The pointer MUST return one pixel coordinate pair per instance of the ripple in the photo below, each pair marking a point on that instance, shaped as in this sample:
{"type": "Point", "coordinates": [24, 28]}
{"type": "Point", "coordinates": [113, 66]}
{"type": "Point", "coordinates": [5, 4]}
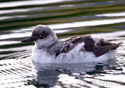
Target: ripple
{"type": "Point", "coordinates": [22, 3]}
{"type": "Point", "coordinates": [112, 14]}
{"type": "Point", "coordinates": [8, 42]}
{"type": "Point", "coordinates": [87, 23]}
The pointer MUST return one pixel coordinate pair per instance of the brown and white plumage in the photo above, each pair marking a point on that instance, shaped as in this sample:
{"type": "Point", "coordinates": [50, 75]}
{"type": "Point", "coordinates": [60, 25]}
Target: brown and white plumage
{"type": "Point", "coordinates": [82, 49]}
{"type": "Point", "coordinates": [98, 48]}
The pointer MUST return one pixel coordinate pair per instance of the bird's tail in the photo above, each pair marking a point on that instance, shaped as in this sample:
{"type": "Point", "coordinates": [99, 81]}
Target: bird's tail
{"type": "Point", "coordinates": [115, 46]}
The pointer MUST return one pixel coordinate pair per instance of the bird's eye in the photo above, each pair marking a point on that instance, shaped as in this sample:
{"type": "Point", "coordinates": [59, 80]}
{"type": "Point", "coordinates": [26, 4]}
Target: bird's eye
{"type": "Point", "coordinates": [43, 35]}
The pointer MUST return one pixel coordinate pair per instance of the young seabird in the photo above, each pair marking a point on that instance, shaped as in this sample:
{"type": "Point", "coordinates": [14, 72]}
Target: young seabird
{"type": "Point", "coordinates": [82, 49]}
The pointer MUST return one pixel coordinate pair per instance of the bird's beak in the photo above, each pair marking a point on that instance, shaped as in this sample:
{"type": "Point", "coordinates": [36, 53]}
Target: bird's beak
{"type": "Point", "coordinates": [29, 39]}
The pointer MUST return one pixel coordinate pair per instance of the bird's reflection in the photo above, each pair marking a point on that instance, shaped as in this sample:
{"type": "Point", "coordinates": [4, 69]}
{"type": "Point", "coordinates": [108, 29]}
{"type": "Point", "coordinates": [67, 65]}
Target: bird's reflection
{"type": "Point", "coordinates": [48, 74]}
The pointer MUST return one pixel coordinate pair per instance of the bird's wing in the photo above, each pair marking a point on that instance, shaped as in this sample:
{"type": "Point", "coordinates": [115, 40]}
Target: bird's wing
{"type": "Point", "coordinates": [104, 47]}
{"type": "Point", "coordinates": [98, 49]}
{"type": "Point", "coordinates": [72, 42]}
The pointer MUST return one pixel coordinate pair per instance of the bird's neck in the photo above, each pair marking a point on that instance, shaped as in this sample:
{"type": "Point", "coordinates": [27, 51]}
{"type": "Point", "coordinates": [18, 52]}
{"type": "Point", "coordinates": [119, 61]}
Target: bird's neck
{"type": "Point", "coordinates": [45, 47]}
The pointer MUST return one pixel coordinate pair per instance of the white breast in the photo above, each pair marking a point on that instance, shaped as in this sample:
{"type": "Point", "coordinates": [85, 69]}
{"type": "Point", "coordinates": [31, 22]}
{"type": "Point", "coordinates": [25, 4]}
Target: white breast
{"type": "Point", "coordinates": [41, 56]}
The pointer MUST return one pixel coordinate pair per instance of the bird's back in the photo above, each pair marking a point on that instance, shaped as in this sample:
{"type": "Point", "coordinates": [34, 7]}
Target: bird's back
{"type": "Point", "coordinates": [98, 46]}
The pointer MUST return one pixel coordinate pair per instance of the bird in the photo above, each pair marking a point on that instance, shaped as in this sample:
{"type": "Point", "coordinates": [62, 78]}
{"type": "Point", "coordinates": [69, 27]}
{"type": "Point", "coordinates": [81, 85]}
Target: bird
{"type": "Point", "coordinates": [76, 49]}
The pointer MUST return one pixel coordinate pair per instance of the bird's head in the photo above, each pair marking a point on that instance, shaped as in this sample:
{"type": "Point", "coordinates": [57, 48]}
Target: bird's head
{"type": "Point", "coordinates": [42, 35]}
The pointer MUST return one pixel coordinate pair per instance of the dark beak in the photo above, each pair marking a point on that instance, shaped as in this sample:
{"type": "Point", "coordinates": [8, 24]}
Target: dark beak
{"type": "Point", "coordinates": [29, 39]}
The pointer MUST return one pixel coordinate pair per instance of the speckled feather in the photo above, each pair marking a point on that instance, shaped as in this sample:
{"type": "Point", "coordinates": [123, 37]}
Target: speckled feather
{"type": "Point", "coordinates": [98, 49]}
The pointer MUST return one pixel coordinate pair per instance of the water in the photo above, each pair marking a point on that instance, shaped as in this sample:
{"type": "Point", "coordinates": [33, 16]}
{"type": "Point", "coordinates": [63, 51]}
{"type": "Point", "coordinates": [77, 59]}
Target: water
{"type": "Point", "coordinates": [67, 18]}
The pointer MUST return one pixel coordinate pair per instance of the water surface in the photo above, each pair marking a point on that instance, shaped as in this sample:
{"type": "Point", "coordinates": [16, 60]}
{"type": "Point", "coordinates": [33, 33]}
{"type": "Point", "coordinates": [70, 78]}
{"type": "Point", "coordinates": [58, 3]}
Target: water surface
{"type": "Point", "coordinates": [105, 18]}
